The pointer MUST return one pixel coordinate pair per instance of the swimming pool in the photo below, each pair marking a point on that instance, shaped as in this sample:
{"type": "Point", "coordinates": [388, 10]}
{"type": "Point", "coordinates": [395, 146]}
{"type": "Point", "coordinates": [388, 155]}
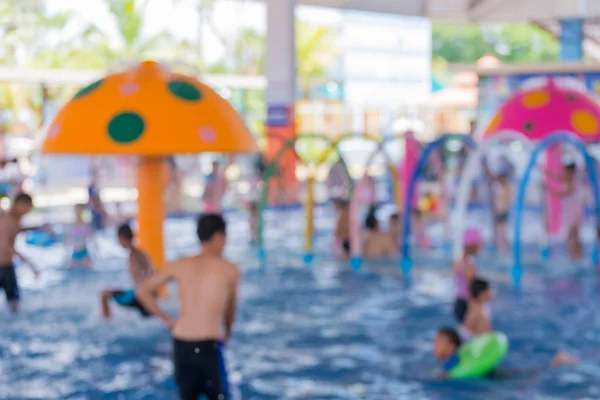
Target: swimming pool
{"type": "Point", "coordinates": [302, 333]}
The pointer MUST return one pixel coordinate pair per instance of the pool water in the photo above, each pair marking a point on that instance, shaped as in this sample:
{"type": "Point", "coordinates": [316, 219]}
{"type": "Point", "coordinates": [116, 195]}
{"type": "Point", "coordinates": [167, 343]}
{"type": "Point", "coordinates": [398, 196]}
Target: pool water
{"type": "Point", "coordinates": [319, 332]}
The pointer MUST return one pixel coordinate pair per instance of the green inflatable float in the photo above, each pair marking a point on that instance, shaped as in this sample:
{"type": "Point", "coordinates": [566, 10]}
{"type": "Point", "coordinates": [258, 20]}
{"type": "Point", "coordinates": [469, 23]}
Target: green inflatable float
{"type": "Point", "coordinates": [480, 356]}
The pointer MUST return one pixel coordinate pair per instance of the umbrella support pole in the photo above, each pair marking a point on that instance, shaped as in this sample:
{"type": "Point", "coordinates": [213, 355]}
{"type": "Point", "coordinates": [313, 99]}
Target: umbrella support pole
{"type": "Point", "coordinates": [151, 208]}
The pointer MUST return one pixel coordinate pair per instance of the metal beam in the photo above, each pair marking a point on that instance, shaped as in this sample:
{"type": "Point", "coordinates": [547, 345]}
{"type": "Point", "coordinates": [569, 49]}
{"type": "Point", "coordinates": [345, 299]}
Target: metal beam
{"type": "Point", "coordinates": [62, 77]}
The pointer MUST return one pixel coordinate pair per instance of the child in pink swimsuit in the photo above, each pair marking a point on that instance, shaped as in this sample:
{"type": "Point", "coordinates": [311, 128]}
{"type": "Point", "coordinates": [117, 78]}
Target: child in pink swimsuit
{"type": "Point", "coordinates": [465, 271]}
{"type": "Point", "coordinates": [573, 208]}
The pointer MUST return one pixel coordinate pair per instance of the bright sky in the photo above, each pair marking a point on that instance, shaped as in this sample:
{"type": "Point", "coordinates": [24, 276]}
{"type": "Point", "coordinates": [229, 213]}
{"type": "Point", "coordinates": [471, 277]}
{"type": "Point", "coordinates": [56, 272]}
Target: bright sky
{"type": "Point", "coordinates": [229, 16]}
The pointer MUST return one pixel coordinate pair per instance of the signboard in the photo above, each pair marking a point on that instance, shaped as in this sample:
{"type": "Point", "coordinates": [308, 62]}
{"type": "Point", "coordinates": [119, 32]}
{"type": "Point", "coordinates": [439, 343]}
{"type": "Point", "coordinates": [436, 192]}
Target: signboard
{"type": "Point", "coordinates": [278, 116]}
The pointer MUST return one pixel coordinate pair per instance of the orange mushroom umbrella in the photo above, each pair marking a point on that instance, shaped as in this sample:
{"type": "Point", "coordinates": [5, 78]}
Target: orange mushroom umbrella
{"type": "Point", "coordinates": [151, 112]}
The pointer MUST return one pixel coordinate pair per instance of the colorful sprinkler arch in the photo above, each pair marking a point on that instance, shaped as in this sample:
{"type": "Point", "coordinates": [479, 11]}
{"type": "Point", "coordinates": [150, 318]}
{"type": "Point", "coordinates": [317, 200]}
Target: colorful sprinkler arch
{"type": "Point", "coordinates": [471, 170]}
{"type": "Point", "coordinates": [268, 175]}
{"type": "Point", "coordinates": [558, 137]}
{"type": "Point", "coordinates": [309, 202]}
{"type": "Point", "coordinates": [355, 226]}
{"type": "Point", "coordinates": [406, 261]}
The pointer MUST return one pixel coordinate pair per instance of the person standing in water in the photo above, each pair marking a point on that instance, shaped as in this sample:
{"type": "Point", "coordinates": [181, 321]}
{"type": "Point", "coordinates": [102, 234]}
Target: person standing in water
{"type": "Point", "coordinates": [99, 215]}
{"type": "Point", "coordinates": [213, 190]}
{"type": "Point", "coordinates": [140, 269]}
{"type": "Point", "coordinates": [377, 244]}
{"type": "Point", "coordinates": [79, 238]}
{"type": "Point", "coordinates": [503, 196]}
{"type": "Point", "coordinates": [208, 287]}
{"type": "Point", "coordinates": [573, 200]}
{"type": "Point", "coordinates": [478, 319]}
{"type": "Point", "coordinates": [465, 272]}
{"type": "Point", "coordinates": [10, 227]}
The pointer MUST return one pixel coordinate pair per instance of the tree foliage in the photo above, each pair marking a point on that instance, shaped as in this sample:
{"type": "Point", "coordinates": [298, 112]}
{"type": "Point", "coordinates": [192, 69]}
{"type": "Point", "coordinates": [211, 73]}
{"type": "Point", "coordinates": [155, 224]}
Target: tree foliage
{"type": "Point", "coordinates": [509, 42]}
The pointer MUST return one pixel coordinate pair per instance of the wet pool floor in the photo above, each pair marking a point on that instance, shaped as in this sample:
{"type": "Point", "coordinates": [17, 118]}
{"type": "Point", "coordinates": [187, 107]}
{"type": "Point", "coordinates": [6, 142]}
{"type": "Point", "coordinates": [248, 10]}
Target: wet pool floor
{"type": "Point", "coordinates": [322, 332]}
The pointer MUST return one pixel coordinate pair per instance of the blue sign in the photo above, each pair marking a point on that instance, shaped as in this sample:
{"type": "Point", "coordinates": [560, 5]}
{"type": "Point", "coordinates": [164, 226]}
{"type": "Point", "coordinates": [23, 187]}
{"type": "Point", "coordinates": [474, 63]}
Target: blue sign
{"type": "Point", "coordinates": [278, 116]}
{"type": "Point", "coordinates": [571, 40]}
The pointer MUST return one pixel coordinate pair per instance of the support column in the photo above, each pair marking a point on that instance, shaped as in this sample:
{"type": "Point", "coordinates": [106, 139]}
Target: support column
{"type": "Point", "coordinates": [151, 208]}
{"type": "Point", "coordinates": [571, 50]}
{"type": "Point", "coordinates": [281, 76]}
{"type": "Point", "coordinates": [407, 169]}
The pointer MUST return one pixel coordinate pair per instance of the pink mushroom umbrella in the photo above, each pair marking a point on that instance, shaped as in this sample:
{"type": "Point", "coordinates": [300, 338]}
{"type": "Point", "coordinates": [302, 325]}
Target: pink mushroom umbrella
{"type": "Point", "coordinates": [537, 112]}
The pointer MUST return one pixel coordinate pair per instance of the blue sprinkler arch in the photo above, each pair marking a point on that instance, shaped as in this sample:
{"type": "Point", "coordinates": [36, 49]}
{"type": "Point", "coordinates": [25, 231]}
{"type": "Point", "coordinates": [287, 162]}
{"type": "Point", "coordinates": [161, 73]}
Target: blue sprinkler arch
{"type": "Point", "coordinates": [406, 261]}
{"type": "Point", "coordinates": [517, 270]}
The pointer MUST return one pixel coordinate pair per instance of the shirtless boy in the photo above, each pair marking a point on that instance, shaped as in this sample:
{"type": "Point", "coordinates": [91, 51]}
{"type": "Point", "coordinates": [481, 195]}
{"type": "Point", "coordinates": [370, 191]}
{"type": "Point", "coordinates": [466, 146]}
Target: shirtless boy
{"type": "Point", "coordinates": [140, 269]}
{"type": "Point", "coordinates": [208, 286]}
{"type": "Point", "coordinates": [395, 228]}
{"type": "Point", "coordinates": [10, 227]}
{"type": "Point", "coordinates": [377, 244]}
{"type": "Point", "coordinates": [478, 319]}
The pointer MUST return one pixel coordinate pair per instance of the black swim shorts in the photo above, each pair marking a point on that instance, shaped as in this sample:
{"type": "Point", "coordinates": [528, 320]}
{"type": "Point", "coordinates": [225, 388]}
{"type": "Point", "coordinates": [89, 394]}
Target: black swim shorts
{"type": "Point", "coordinates": [502, 218]}
{"type": "Point", "coordinates": [460, 309]}
{"type": "Point", "coordinates": [8, 282]}
{"type": "Point", "coordinates": [200, 370]}
{"type": "Point", "coordinates": [346, 247]}
{"type": "Point", "coordinates": [127, 299]}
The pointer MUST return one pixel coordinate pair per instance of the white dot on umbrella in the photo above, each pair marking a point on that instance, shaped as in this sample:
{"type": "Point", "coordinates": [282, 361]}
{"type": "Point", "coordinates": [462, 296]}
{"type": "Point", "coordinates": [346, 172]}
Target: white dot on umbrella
{"type": "Point", "coordinates": [208, 134]}
{"type": "Point", "coordinates": [128, 89]}
{"type": "Point", "coordinates": [53, 131]}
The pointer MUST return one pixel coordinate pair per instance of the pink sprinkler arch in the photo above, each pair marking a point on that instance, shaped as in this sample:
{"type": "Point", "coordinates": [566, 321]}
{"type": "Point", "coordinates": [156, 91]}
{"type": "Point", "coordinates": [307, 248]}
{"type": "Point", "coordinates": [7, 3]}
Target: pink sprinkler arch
{"type": "Point", "coordinates": [553, 106]}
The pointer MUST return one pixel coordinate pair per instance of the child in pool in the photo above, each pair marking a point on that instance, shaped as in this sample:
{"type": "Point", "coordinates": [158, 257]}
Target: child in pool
{"type": "Point", "coordinates": [447, 342]}
{"type": "Point", "coordinates": [395, 228]}
{"type": "Point", "coordinates": [96, 206]}
{"type": "Point", "coordinates": [212, 190]}
{"type": "Point", "coordinates": [465, 272]}
{"type": "Point", "coordinates": [377, 244]}
{"type": "Point", "coordinates": [79, 238]}
{"type": "Point", "coordinates": [342, 227]}
{"type": "Point", "coordinates": [418, 223]}
{"type": "Point", "coordinates": [478, 320]}
{"type": "Point", "coordinates": [253, 221]}
{"type": "Point", "coordinates": [10, 227]}
{"type": "Point", "coordinates": [502, 200]}
{"type": "Point", "coordinates": [140, 269]}
{"type": "Point", "coordinates": [573, 208]}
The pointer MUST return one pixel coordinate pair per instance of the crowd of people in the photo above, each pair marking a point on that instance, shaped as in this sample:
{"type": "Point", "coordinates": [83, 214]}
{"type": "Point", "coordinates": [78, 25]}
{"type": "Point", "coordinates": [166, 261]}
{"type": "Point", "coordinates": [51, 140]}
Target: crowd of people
{"type": "Point", "coordinates": [208, 283]}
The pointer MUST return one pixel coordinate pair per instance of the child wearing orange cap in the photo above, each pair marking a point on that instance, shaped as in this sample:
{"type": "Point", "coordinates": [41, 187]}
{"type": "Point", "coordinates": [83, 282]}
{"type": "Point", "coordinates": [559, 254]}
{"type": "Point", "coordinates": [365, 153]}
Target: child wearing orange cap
{"type": "Point", "coordinates": [465, 272]}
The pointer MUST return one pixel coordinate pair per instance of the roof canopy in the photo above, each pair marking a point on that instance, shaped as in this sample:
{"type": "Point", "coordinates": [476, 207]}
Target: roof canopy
{"type": "Point", "coordinates": [546, 107]}
{"type": "Point", "coordinates": [472, 10]}
{"type": "Point", "coordinates": [147, 110]}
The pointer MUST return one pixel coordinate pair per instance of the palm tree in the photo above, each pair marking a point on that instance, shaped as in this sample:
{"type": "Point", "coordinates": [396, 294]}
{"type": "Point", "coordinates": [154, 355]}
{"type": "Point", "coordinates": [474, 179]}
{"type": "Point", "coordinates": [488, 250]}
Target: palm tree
{"type": "Point", "coordinates": [24, 25]}
{"type": "Point", "coordinates": [248, 52]}
{"type": "Point", "coordinates": [315, 53]}
{"type": "Point", "coordinates": [132, 45]}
